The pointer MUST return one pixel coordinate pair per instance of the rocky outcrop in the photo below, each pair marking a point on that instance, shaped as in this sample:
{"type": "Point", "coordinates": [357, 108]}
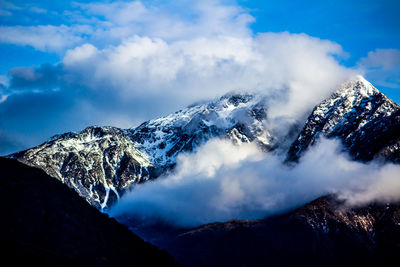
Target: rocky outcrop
{"type": "Point", "coordinates": [101, 163]}
{"type": "Point", "coordinates": [364, 119]}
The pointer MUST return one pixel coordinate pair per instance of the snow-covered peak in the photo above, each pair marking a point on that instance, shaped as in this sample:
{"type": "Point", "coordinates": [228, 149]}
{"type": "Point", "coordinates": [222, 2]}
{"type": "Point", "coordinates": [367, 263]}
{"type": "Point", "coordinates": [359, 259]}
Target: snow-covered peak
{"type": "Point", "coordinates": [357, 86]}
{"type": "Point", "coordinates": [223, 112]}
{"type": "Point", "coordinates": [101, 163]}
{"type": "Point", "coordinates": [358, 114]}
{"type": "Point", "coordinates": [163, 138]}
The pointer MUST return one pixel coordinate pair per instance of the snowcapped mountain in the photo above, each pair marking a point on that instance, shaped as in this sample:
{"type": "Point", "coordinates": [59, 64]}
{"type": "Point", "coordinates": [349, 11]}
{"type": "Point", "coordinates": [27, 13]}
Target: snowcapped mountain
{"type": "Point", "coordinates": [101, 163]}
{"type": "Point", "coordinates": [236, 116]}
{"type": "Point", "coordinates": [367, 122]}
{"type": "Point", "coordinates": [98, 162]}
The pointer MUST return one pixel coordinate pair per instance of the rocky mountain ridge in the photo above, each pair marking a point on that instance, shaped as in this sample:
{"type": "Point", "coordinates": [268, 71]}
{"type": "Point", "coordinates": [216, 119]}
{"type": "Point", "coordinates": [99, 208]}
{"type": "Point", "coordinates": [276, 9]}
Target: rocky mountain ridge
{"type": "Point", "coordinates": [364, 119]}
{"type": "Point", "coordinates": [101, 163]}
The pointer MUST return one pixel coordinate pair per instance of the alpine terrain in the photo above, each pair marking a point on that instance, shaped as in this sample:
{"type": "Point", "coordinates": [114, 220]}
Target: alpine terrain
{"type": "Point", "coordinates": [101, 163]}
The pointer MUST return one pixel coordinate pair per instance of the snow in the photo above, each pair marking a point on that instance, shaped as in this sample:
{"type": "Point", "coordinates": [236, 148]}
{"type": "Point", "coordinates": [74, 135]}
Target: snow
{"type": "Point", "coordinates": [104, 204]}
{"type": "Point", "coordinates": [99, 150]}
{"type": "Point", "coordinates": [221, 114]}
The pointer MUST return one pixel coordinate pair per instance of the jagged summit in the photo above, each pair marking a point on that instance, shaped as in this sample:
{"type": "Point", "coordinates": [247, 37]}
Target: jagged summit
{"type": "Point", "coordinates": [240, 116]}
{"type": "Point", "coordinates": [357, 86]}
{"type": "Point", "coordinates": [367, 122]}
{"type": "Point", "coordinates": [101, 163]}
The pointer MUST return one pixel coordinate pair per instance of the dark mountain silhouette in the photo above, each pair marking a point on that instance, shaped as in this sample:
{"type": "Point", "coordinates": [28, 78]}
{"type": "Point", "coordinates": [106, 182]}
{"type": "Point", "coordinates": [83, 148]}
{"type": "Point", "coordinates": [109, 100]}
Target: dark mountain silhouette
{"type": "Point", "coordinates": [324, 232]}
{"type": "Point", "coordinates": [44, 222]}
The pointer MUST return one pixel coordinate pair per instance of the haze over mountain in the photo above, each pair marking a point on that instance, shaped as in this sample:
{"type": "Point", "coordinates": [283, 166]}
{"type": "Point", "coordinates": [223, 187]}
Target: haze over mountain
{"type": "Point", "coordinates": [229, 133]}
{"type": "Point", "coordinates": [202, 152]}
{"type": "Point", "coordinates": [121, 63]}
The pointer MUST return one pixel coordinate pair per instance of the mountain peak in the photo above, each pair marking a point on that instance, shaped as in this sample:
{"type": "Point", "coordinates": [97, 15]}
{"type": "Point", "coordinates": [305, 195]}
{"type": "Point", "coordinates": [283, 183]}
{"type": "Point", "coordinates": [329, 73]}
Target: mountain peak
{"type": "Point", "coordinates": [101, 163]}
{"type": "Point", "coordinates": [363, 118]}
{"type": "Point", "coordinates": [357, 86]}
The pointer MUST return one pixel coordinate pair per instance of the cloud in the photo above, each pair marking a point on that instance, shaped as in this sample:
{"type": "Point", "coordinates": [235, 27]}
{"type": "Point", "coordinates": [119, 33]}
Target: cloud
{"type": "Point", "coordinates": [383, 66]}
{"type": "Point", "coordinates": [42, 37]}
{"type": "Point", "coordinates": [131, 68]}
{"type": "Point", "coordinates": [43, 78]}
{"type": "Point", "coordinates": [222, 181]}
{"type": "Point", "coordinates": [300, 69]}
{"type": "Point", "coordinates": [37, 10]}
{"type": "Point", "coordinates": [7, 7]}
{"type": "Point", "coordinates": [176, 21]}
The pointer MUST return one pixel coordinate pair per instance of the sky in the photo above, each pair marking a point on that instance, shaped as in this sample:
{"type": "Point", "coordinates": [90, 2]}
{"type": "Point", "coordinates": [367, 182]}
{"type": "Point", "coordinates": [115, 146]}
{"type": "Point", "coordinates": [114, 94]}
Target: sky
{"type": "Point", "coordinates": [66, 65]}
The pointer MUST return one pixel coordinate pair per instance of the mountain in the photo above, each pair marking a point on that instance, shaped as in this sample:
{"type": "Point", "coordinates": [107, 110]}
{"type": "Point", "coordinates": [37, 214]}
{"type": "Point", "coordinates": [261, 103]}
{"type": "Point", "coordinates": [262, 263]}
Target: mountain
{"type": "Point", "coordinates": [364, 119]}
{"type": "Point", "coordinates": [98, 162]}
{"type": "Point", "coordinates": [44, 222]}
{"type": "Point", "coordinates": [101, 163]}
{"type": "Point", "coordinates": [324, 232]}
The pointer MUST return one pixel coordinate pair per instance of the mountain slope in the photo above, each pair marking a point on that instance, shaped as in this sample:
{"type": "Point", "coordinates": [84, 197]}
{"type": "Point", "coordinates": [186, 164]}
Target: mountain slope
{"type": "Point", "coordinates": [100, 163]}
{"type": "Point", "coordinates": [322, 233]}
{"type": "Point", "coordinates": [45, 222]}
{"type": "Point", "coordinates": [367, 122]}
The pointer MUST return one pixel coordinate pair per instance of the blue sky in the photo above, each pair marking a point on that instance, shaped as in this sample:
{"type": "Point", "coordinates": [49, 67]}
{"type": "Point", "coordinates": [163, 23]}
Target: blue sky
{"type": "Point", "coordinates": [359, 26]}
{"type": "Point", "coordinates": [69, 64]}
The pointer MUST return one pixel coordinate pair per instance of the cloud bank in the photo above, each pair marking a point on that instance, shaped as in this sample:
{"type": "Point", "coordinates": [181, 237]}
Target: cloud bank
{"type": "Point", "coordinates": [127, 62]}
{"type": "Point", "coordinates": [223, 181]}
{"type": "Point", "coordinates": [124, 62]}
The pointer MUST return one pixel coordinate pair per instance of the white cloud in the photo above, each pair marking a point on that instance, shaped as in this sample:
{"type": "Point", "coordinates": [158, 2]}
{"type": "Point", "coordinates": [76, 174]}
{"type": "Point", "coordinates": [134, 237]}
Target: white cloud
{"type": "Point", "coordinates": [42, 37]}
{"type": "Point", "coordinates": [175, 21]}
{"type": "Point", "coordinates": [156, 59]}
{"type": "Point", "coordinates": [222, 181]}
{"type": "Point", "coordinates": [300, 69]}
{"type": "Point", "coordinates": [80, 54]}
{"type": "Point", "coordinates": [382, 58]}
{"type": "Point", "coordinates": [37, 10]}
{"type": "Point", "coordinates": [383, 66]}
{"type": "Point", "coordinates": [150, 52]}
{"type": "Point", "coordinates": [4, 81]}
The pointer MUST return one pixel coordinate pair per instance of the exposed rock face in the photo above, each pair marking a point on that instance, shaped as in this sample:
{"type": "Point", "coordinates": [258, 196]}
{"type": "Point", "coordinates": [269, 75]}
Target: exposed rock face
{"type": "Point", "coordinates": [100, 163]}
{"type": "Point", "coordinates": [367, 122]}
{"type": "Point", "coordinates": [45, 223]}
{"type": "Point", "coordinates": [324, 232]}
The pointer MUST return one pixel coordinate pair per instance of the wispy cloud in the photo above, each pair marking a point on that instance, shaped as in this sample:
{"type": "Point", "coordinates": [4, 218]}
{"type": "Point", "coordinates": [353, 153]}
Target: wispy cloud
{"type": "Point", "coordinates": [42, 37]}
{"type": "Point", "coordinates": [223, 181]}
{"type": "Point", "coordinates": [139, 60]}
{"type": "Point", "coordinates": [382, 65]}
